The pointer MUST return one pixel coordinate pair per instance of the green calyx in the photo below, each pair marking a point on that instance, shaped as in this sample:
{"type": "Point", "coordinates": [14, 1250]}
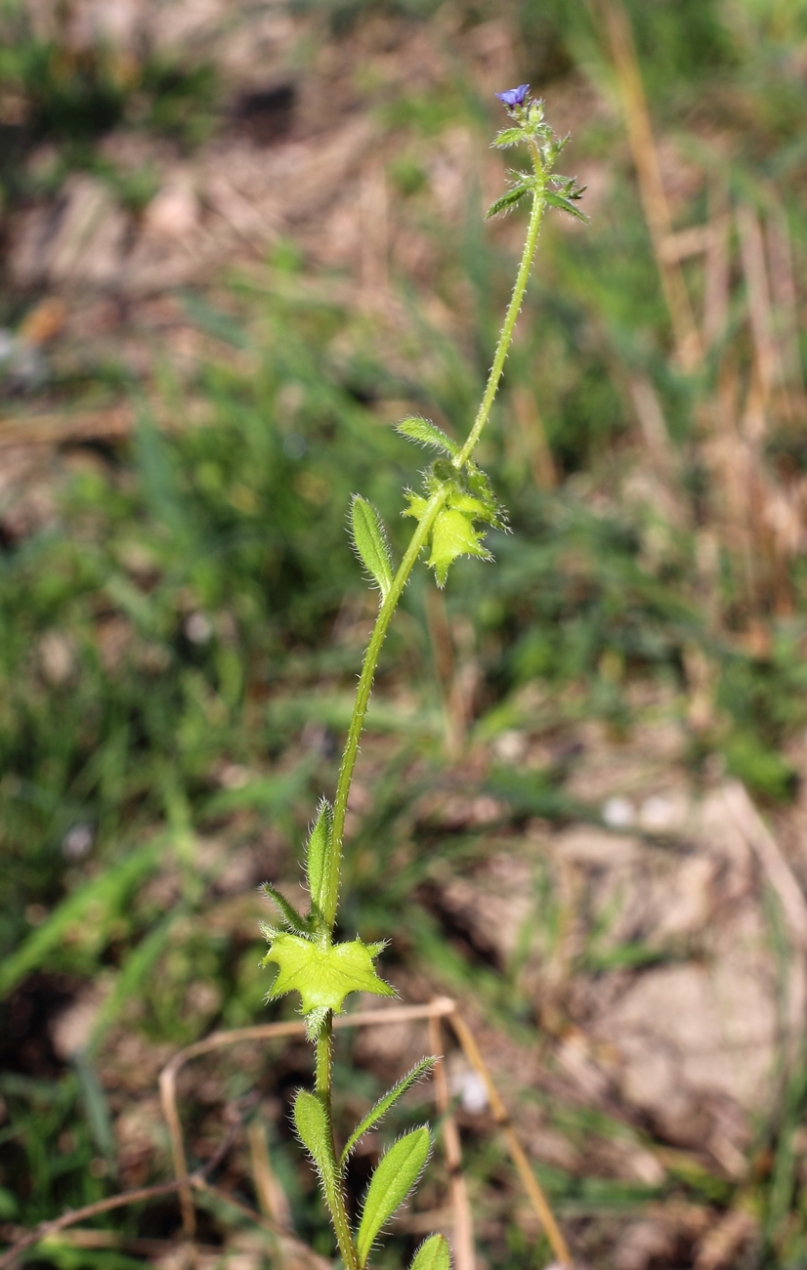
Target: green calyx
{"type": "Point", "coordinates": [469, 498]}
{"type": "Point", "coordinates": [322, 974]}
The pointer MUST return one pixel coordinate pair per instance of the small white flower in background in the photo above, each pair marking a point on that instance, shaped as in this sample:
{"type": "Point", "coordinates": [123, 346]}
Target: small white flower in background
{"type": "Point", "coordinates": [618, 813]}
{"type": "Point", "coordinates": [467, 1085]}
{"type": "Point", "coordinates": [77, 842]}
{"type": "Point", "coordinates": [198, 628]}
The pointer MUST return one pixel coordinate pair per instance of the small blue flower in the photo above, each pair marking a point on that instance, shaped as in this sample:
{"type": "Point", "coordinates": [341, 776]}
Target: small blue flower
{"type": "Point", "coordinates": [514, 96]}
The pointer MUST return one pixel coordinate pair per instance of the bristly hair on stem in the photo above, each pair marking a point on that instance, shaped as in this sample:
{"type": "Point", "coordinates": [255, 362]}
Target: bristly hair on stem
{"type": "Point", "coordinates": [453, 513]}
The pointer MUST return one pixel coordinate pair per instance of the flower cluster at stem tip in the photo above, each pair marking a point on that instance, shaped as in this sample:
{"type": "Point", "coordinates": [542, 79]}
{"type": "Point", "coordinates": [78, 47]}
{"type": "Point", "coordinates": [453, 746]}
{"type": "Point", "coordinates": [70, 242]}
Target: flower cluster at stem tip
{"type": "Point", "coordinates": [514, 96]}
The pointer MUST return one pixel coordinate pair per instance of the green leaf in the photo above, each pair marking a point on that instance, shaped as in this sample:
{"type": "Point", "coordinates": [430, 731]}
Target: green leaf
{"type": "Point", "coordinates": [424, 432]}
{"type": "Point", "coordinates": [469, 505]}
{"type": "Point", "coordinates": [380, 1109]}
{"type": "Point", "coordinates": [565, 205]}
{"type": "Point", "coordinates": [506, 201]}
{"type": "Point", "coordinates": [432, 1255]}
{"type": "Point", "coordinates": [508, 137]}
{"type": "Point", "coordinates": [453, 535]}
{"type": "Point", "coordinates": [417, 505]}
{"type": "Point", "coordinates": [311, 1123]}
{"type": "Point", "coordinates": [324, 976]}
{"type": "Point", "coordinates": [318, 856]}
{"type": "Point", "coordinates": [293, 919]}
{"type": "Point", "coordinates": [482, 489]}
{"type": "Point", "coordinates": [397, 1173]}
{"type": "Point", "coordinates": [371, 543]}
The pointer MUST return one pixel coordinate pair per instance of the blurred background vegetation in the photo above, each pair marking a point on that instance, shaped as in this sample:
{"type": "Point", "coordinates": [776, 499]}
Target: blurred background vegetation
{"type": "Point", "coordinates": [239, 243]}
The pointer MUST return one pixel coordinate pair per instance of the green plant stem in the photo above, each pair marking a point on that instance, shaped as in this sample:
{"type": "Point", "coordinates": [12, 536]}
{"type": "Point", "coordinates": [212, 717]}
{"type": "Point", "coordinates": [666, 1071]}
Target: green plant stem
{"type": "Point", "coordinates": [363, 691]}
{"type": "Point", "coordinates": [341, 1225]}
{"type": "Point", "coordinates": [511, 317]}
{"type": "Point", "coordinates": [322, 1087]}
{"type": "Point", "coordinates": [332, 1180]}
{"type": "Point", "coordinates": [418, 540]}
{"type": "Point", "coordinates": [334, 1194]}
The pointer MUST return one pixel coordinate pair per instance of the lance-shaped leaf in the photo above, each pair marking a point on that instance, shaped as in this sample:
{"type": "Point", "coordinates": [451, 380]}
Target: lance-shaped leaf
{"type": "Point", "coordinates": [565, 205]}
{"type": "Point", "coordinates": [453, 535]}
{"type": "Point", "coordinates": [508, 137]}
{"type": "Point", "coordinates": [397, 1173]}
{"type": "Point", "coordinates": [433, 1254]}
{"type": "Point", "coordinates": [311, 1123]}
{"type": "Point", "coordinates": [371, 543]}
{"type": "Point", "coordinates": [380, 1109]}
{"type": "Point", "coordinates": [318, 855]}
{"type": "Point", "coordinates": [424, 432]}
{"type": "Point", "coordinates": [324, 976]}
{"type": "Point", "coordinates": [506, 201]}
{"type": "Point", "coordinates": [294, 920]}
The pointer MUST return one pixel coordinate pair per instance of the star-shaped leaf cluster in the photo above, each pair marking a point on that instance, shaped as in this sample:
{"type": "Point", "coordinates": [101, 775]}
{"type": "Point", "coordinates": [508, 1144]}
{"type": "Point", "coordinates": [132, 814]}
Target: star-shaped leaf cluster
{"type": "Point", "coordinates": [469, 499]}
{"type": "Point", "coordinates": [323, 974]}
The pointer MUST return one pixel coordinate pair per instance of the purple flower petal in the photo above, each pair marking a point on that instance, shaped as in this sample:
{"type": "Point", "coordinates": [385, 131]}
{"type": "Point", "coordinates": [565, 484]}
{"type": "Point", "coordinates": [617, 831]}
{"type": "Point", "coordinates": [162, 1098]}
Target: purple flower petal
{"type": "Point", "coordinates": [514, 96]}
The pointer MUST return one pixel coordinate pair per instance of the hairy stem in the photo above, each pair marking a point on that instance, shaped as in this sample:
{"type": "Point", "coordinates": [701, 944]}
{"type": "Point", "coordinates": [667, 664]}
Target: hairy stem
{"type": "Point", "coordinates": [322, 1088]}
{"type": "Point", "coordinates": [418, 539]}
{"type": "Point", "coordinates": [513, 310]}
{"type": "Point", "coordinates": [425, 525]}
{"type": "Point", "coordinates": [332, 1180]}
{"type": "Point", "coordinates": [363, 696]}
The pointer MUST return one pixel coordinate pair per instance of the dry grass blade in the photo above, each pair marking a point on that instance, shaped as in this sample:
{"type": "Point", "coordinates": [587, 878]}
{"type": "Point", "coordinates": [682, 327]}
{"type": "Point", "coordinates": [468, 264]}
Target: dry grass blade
{"type": "Point", "coordinates": [717, 281]}
{"type": "Point", "coordinates": [786, 302]}
{"type": "Point", "coordinates": [272, 1198]}
{"type": "Point", "coordinates": [287, 1245]}
{"type": "Point", "coordinates": [752, 252]}
{"type": "Point", "coordinates": [651, 188]}
{"type": "Point", "coordinates": [517, 1153]}
{"type": "Point", "coordinates": [77, 1215]}
{"type": "Point", "coordinates": [685, 243]}
{"type": "Point", "coordinates": [464, 1258]}
{"type": "Point", "coordinates": [767, 850]}
{"type": "Point", "coordinates": [528, 418]}
{"type": "Point", "coordinates": [654, 426]}
{"type": "Point", "coordinates": [441, 1007]}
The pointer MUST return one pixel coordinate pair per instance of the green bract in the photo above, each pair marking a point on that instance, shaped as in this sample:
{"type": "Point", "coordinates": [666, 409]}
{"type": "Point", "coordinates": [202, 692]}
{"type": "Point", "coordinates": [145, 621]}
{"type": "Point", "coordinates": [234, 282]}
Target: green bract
{"type": "Point", "coordinates": [468, 497]}
{"type": "Point", "coordinates": [324, 976]}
